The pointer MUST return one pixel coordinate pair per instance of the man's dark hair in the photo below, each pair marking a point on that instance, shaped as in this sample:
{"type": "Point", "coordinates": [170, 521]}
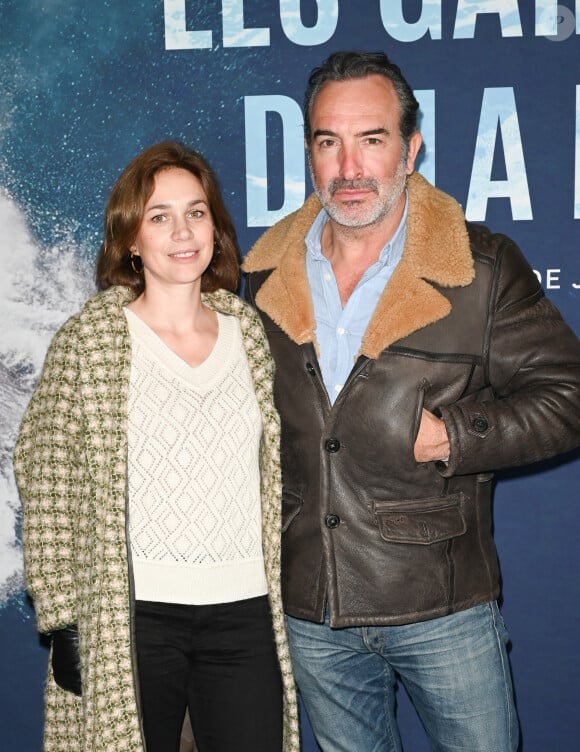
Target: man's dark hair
{"type": "Point", "coordinates": [346, 66]}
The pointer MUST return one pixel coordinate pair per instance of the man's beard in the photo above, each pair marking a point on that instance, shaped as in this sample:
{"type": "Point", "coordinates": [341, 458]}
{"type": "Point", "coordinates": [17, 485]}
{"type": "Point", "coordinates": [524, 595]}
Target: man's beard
{"type": "Point", "coordinates": [387, 193]}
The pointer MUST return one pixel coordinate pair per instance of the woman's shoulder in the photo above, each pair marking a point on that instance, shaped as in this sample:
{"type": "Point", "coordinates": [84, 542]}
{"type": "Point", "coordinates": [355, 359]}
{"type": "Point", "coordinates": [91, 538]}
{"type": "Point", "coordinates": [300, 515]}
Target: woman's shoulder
{"type": "Point", "coordinates": [98, 314]}
{"type": "Point", "coordinates": [107, 303]}
{"type": "Point", "coordinates": [230, 303]}
{"type": "Point", "coordinates": [225, 301]}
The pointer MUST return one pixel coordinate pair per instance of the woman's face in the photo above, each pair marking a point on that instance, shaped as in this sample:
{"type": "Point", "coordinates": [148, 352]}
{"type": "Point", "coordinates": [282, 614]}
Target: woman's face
{"type": "Point", "coordinates": [175, 240]}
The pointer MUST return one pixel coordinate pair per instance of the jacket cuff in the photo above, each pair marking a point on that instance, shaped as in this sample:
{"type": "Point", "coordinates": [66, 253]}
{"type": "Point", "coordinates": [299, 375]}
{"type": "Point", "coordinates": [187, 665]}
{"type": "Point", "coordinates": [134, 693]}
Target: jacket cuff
{"type": "Point", "coordinates": [470, 435]}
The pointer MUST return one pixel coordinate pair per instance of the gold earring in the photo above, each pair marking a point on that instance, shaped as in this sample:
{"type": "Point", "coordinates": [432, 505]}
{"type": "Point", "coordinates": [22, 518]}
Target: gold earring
{"type": "Point", "coordinates": [133, 255]}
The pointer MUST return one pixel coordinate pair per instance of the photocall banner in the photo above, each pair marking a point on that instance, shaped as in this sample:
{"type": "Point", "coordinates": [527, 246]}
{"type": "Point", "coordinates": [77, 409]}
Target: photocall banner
{"type": "Point", "coordinates": [86, 86]}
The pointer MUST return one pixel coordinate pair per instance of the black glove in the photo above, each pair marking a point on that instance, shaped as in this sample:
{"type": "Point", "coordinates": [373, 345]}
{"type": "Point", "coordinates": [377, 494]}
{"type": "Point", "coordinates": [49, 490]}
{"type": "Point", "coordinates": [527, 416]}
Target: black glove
{"type": "Point", "coordinates": [66, 661]}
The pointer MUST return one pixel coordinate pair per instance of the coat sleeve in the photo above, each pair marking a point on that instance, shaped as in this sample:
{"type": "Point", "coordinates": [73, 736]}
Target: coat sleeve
{"type": "Point", "coordinates": [49, 469]}
{"type": "Point", "coordinates": [532, 362]}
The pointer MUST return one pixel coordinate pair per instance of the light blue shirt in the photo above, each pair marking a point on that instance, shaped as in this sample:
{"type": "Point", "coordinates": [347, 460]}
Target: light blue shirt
{"type": "Point", "coordinates": [339, 330]}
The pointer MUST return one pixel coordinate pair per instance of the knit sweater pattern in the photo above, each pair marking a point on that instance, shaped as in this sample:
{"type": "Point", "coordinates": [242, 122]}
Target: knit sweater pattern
{"type": "Point", "coordinates": [194, 481]}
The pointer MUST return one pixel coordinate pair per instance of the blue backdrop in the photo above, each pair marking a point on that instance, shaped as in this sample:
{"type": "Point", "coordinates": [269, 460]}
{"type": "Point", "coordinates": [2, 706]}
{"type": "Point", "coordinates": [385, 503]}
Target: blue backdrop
{"type": "Point", "coordinates": [85, 86]}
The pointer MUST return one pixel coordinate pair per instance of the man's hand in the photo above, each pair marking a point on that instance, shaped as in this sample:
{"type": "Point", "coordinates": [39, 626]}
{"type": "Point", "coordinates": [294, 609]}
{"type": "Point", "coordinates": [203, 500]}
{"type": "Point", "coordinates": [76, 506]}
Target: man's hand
{"type": "Point", "coordinates": [432, 440]}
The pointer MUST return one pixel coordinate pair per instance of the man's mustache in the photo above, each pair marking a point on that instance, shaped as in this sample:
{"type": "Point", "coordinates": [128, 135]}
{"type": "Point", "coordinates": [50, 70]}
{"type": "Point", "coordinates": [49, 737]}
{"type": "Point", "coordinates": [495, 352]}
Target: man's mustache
{"type": "Point", "coordinates": [340, 184]}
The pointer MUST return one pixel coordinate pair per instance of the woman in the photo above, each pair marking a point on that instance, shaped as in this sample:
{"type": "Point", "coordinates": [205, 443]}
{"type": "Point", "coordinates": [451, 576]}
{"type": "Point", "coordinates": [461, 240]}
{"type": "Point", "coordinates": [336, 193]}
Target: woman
{"type": "Point", "coordinates": [148, 467]}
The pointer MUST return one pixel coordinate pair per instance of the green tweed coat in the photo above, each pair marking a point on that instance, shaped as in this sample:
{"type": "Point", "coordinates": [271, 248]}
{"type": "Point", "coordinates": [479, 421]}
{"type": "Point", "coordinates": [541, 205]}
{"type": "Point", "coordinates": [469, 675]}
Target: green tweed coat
{"type": "Point", "coordinates": [71, 469]}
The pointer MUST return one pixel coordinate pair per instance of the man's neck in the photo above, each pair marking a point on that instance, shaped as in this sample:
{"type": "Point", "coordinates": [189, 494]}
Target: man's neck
{"type": "Point", "coordinates": [352, 250]}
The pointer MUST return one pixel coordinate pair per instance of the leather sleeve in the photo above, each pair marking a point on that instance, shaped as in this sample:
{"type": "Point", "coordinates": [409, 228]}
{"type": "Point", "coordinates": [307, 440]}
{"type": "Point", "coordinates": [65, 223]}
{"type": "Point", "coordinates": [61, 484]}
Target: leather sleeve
{"type": "Point", "coordinates": [532, 362]}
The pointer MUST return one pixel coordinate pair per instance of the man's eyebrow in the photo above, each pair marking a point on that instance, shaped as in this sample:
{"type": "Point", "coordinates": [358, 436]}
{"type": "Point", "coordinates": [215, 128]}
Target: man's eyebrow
{"type": "Point", "coordinates": [321, 132]}
{"type": "Point", "coordinates": [370, 132]}
{"type": "Point", "coordinates": [374, 132]}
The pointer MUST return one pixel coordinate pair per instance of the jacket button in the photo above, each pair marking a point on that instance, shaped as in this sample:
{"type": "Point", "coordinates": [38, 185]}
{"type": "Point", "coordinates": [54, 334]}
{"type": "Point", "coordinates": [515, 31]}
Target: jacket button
{"type": "Point", "coordinates": [332, 521]}
{"type": "Point", "coordinates": [480, 424]}
{"type": "Point", "coordinates": [332, 445]}
{"type": "Point", "coordinates": [311, 370]}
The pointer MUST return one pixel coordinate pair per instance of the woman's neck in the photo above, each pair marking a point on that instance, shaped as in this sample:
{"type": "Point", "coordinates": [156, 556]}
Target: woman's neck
{"type": "Point", "coordinates": [180, 319]}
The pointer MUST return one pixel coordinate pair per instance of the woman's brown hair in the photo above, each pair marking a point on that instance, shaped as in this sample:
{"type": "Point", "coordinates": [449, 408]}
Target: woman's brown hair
{"type": "Point", "coordinates": [126, 207]}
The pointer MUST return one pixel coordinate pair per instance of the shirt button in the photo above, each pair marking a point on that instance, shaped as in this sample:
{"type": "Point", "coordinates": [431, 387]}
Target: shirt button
{"type": "Point", "coordinates": [337, 388]}
{"type": "Point", "coordinates": [340, 330]}
{"type": "Point", "coordinates": [332, 521]}
{"type": "Point", "coordinates": [327, 277]}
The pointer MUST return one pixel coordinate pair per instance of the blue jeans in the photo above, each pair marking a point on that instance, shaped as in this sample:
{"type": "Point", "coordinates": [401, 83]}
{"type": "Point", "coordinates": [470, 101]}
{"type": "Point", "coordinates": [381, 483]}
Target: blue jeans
{"type": "Point", "coordinates": [454, 668]}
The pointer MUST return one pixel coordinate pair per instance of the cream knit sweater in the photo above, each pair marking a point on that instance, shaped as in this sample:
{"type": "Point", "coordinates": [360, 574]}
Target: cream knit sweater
{"type": "Point", "coordinates": [194, 481]}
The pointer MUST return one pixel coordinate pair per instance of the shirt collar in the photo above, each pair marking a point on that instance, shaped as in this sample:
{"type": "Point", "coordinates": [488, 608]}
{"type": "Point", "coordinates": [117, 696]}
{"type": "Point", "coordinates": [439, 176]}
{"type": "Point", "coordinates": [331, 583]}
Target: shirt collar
{"type": "Point", "coordinates": [390, 253]}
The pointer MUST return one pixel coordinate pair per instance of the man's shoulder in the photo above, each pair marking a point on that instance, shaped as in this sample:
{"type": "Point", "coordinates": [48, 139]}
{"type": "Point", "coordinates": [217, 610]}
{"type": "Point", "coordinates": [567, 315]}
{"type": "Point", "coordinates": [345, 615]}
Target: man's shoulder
{"type": "Point", "coordinates": [491, 247]}
{"type": "Point", "coordinates": [510, 268]}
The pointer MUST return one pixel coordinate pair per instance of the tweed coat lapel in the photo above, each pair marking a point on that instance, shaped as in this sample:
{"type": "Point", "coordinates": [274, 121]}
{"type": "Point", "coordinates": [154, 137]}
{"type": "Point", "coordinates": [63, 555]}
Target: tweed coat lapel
{"type": "Point", "coordinates": [262, 370]}
{"type": "Point", "coordinates": [436, 251]}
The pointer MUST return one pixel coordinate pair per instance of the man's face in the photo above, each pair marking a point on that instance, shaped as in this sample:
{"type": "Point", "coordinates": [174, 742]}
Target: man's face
{"type": "Point", "coordinates": [357, 160]}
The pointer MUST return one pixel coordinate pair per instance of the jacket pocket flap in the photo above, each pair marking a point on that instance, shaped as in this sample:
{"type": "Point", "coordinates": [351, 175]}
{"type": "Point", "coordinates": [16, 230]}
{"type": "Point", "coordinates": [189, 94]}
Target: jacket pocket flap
{"type": "Point", "coordinates": [421, 521]}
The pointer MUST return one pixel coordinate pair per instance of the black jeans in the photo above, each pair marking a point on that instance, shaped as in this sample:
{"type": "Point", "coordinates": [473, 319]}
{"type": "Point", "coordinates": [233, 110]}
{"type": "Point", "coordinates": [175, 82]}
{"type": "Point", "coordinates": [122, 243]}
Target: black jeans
{"type": "Point", "coordinates": [219, 661]}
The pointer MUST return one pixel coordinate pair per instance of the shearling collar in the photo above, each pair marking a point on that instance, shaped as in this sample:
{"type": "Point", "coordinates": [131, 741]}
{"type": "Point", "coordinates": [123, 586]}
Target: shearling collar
{"type": "Point", "coordinates": [436, 250]}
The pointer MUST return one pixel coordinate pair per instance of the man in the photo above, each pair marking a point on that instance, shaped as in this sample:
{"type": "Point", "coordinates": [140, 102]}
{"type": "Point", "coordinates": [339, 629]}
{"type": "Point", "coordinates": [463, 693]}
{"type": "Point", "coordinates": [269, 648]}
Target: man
{"type": "Point", "coordinates": [415, 354]}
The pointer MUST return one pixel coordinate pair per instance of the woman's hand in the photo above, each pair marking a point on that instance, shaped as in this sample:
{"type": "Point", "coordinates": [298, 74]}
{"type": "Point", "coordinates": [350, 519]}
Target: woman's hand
{"type": "Point", "coordinates": [66, 661]}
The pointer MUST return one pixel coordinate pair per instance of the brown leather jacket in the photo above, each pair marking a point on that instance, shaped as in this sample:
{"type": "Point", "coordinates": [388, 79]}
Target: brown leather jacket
{"type": "Point", "coordinates": [462, 329]}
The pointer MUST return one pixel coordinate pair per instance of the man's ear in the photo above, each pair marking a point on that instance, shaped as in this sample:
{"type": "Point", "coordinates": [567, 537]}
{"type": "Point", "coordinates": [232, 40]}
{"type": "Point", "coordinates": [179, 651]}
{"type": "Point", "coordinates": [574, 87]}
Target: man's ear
{"type": "Point", "coordinates": [415, 143]}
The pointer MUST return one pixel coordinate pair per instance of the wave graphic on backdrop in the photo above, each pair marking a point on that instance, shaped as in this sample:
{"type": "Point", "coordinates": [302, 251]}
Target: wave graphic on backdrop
{"type": "Point", "coordinates": [39, 289]}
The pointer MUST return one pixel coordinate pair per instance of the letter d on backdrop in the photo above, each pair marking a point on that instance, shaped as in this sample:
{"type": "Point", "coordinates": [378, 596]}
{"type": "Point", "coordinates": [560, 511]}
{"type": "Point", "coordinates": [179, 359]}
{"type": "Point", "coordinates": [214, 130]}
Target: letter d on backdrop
{"type": "Point", "coordinates": [293, 168]}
